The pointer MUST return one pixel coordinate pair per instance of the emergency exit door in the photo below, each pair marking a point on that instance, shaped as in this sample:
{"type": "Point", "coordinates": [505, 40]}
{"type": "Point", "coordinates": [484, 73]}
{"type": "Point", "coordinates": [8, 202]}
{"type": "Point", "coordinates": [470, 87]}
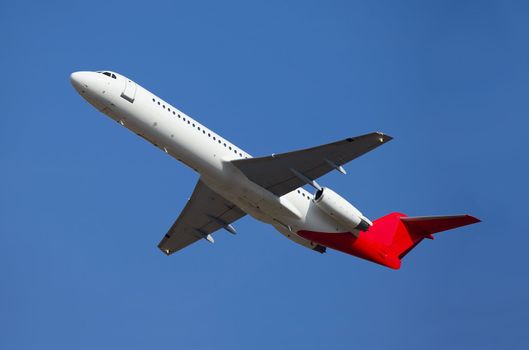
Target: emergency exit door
{"type": "Point", "coordinates": [130, 91]}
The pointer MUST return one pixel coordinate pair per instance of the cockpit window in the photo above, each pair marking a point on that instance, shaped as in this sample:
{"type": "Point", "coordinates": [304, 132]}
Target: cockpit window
{"type": "Point", "coordinates": [112, 75]}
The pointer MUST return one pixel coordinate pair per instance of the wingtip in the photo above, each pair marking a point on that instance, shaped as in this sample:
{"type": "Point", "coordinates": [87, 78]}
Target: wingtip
{"type": "Point", "coordinates": [384, 137]}
{"type": "Point", "coordinates": [164, 250]}
{"type": "Point", "coordinates": [473, 219]}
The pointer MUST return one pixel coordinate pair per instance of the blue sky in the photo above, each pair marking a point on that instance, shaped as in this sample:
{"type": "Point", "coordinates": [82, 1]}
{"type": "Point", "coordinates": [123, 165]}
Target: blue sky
{"type": "Point", "coordinates": [84, 202]}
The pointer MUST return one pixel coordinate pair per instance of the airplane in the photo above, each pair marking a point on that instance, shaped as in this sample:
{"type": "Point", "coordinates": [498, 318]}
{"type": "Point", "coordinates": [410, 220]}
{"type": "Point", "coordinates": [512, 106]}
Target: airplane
{"type": "Point", "coordinates": [270, 188]}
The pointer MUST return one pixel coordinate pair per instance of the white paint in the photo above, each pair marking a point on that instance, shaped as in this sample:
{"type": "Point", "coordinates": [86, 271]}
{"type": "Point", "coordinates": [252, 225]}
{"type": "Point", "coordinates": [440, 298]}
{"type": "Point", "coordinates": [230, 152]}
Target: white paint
{"type": "Point", "coordinates": [204, 151]}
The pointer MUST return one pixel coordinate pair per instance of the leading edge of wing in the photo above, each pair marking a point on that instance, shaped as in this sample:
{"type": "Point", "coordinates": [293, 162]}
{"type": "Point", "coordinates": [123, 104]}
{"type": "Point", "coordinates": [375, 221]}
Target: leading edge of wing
{"type": "Point", "coordinates": [379, 137]}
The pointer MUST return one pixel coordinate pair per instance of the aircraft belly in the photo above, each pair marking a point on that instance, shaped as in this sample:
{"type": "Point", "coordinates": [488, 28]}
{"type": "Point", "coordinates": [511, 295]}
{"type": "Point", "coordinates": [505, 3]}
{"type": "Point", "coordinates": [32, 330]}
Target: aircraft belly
{"type": "Point", "coordinates": [252, 198]}
{"type": "Point", "coordinates": [294, 237]}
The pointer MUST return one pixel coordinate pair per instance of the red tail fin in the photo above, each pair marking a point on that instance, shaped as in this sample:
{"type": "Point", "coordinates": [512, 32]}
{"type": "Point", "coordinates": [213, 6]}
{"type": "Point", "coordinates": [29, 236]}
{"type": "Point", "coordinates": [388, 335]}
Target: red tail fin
{"type": "Point", "coordinates": [390, 238]}
{"type": "Point", "coordinates": [401, 233]}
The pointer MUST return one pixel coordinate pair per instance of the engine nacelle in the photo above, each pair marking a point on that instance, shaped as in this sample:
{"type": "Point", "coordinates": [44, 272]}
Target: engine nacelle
{"type": "Point", "coordinates": [341, 210]}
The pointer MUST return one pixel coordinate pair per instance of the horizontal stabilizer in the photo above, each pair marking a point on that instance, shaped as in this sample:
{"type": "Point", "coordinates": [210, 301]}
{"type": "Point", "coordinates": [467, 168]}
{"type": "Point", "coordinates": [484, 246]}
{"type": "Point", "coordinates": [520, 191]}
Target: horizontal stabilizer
{"type": "Point", "coordinates": [400, 233]}
{"type": "Point", "coordinates": [427, 225]}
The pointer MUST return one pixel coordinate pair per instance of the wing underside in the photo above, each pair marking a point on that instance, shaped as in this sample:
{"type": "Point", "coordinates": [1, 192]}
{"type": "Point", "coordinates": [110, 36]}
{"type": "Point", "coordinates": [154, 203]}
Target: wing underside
{"type": "Point", "coordinates": [205, 212]}
{"type": "Point", "coordinates": [280, 173]}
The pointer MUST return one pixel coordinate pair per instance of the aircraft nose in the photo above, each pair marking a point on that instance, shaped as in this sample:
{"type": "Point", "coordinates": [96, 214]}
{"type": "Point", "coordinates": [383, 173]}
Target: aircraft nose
{"type": "Point", "coordinates": [79, 80]}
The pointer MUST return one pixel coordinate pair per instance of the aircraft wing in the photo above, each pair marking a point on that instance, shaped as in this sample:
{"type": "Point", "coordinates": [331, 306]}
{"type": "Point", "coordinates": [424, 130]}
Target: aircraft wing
{"type": "Point", "coordinates": [277, 173]}
{"type": "Point", "coordinates": [205, 212]}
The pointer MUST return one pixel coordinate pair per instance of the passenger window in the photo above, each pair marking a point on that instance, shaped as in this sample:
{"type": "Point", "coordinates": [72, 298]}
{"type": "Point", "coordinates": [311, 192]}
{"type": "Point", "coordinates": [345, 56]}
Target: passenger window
{"type": "Point", "coordinates": [153, 100]}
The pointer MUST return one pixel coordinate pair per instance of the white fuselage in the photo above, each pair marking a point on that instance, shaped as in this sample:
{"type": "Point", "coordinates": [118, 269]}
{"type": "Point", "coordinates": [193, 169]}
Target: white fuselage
{"type": "Point", "coordinates": [203, 150]}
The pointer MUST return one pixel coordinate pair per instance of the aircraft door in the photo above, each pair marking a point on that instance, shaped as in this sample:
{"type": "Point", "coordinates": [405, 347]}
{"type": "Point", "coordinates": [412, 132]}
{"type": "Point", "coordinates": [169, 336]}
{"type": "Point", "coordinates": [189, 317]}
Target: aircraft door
{"type": "Point", "coordinates": [130, 91]}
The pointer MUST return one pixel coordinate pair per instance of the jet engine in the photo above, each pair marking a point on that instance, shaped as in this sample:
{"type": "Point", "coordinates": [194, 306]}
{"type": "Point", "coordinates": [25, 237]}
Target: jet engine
{"type": "Point", "coordinates": [341, 210]}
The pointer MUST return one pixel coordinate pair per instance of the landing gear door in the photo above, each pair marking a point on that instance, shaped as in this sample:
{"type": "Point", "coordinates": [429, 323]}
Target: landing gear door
{"type": "Point", "coordinates": [130, 91]}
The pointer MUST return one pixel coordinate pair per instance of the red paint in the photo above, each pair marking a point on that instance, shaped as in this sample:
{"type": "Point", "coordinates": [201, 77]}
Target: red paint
{"type": "Point", "coordinates": [390, 238]}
